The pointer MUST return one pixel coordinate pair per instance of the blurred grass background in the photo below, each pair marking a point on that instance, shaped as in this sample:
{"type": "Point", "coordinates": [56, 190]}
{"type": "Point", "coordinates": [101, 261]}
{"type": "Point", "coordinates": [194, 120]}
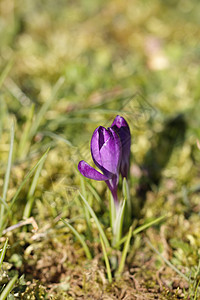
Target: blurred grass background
{"type": "Point", "coordinates": [70, 66]}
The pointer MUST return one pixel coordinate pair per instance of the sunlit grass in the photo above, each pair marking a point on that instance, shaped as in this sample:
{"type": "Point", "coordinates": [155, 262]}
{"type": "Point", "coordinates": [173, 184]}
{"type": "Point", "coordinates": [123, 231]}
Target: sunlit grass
{"type": "Point", "coordinates": [66, 68]}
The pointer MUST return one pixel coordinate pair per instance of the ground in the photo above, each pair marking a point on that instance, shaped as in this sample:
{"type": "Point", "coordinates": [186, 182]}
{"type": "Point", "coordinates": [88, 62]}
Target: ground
{"type": "Point", "coordinates": [68, 67]}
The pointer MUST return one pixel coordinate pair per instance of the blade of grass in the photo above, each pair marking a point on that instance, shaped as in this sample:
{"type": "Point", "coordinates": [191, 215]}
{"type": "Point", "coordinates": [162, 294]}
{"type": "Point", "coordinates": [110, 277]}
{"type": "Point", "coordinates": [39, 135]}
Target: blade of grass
{"type": "Point", "coordinates": [5, 72]}
{"type": "Point", "coordinates": [79, 237]}
{"type": "Point", "coordinates": [94, 192]}
{"type": "Point", "coordinates": [112, 212]}
{"type": "Point", "coordinates": [122, 96]}
{"type": "Point", "coordinates": [29, 204]}
{"type": "Point", "coordinates": [7, 176]}
{"type": "Point", "coordinates": [58, 138]}
{"type": "Point", "coordinates": [142, 228]}
{"type": "Point", "coordinates": [106, 261]}
{"type": "Point", "coordinates": [17, 93]}
{"type": "Point", "coordinates": [149, 224]}
{"type": "Point", "coordinates": [45, 107]}
{"type": "Point", "coordinates": [3, 252]}
{"type": "Point", "coordinates": [27, 177]}
{"type": "Point", "coordinates": [196, 290]}
{"type": "Point", "coordinates": [8, 288]}
{"type": "Point", "coordinates": [126, 195]}
{"type": "Point", "coordinates": [167, 261]}
{"type": "Point", "coordinates": [118, 223]}
{"type": "Point", "coordinates": [92, 213]}
{"type": "Point", "coordinates": [3, 112]}
{"type": "Point", "coordinates": [4, 203]}
{"type": "Point", "coordinates": [197, 273]}
{"type": "Point", "coordinates": [25, 141]}
{"type": "Point", "coordinates": [101, 111]}
{"type": "Point", "coordinates": [87, 214]}
{"type": "Point", "coordinates": [124, 253]}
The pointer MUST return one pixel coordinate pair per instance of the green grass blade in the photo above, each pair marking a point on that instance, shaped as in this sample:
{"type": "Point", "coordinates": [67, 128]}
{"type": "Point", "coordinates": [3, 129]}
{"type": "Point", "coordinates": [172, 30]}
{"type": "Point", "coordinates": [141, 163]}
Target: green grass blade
{"type": "Point", "coordinates": [58, 138]}
{"type": "Point", "coordinates": [35, 177]}
{"type": "Point", "coordinates": [94, 192]}
{"type": "Point", "coordinates": [17, 93]}
{"type": "Point", "coordinates": [29, 204]}
{"type": "Point", "coordinates": [196, 290]}
{"type": "Point", "coordinates": [79, 237]}
{"type": "Point", "coordinates": [92, 213]}
{"type": "Point", "coordinates": [25, 141]}
{"type": "Point", "coordinates": [3, 252]}
{"type": "Point", "coordinates": [87, 214]}
{"type": "Point", "coordinates": [45, 107]}
{"type": "Point", "coordinates": [197, 273]}
{"type": "Point", "coordinates": [112, 212]}
{"type": "Point", "coordinates": [3, 114]}
{"type": "Point", "coordinates": [106, 261]}
{"type": "Point", "coordinates": [126, 195]}
{"type": "Point", "coordinates": [5, 72]}
{"type": "Point", "coordinates": [143, 227]}
{"type": "Point", "coordinates": [167, 261]}
{"type": "Point", "coordinates": [7, 176]}
{"type": "Point", "coordinates": [124, 253]}
{"type": "Point", "coordinates": [149, 224]}
{"type": "Point", "coordinates": [119, 223]}
{"type": "Point", "coordinates": [8, 288]}
{"type": "Point", "coordinates": [4, 203]}
{"type": "Point", "coordinates": [100, 111]}
{"type": "Point", "coordinates": [27, 177]}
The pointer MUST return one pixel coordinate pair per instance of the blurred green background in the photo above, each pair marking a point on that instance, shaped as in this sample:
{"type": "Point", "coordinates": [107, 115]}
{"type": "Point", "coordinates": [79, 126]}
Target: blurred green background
{"type": "Point", "coordinates": [70, 66]}
{"type": "Point", "coordinates": [140, 58]}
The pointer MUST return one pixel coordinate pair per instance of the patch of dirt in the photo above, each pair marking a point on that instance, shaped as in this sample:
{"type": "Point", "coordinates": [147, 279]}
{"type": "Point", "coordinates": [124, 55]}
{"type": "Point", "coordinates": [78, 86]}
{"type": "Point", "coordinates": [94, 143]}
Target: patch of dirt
{"type": "Point", "coordinates": [66, 274]}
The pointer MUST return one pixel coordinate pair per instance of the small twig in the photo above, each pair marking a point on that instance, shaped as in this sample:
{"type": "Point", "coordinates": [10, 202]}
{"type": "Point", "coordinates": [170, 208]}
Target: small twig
{"type": "Point", "coordinates": [135, 282]}
{"type": "Point", "coordinates": [159, 280]}
{"type": "Point", "coordinates": [28, 221]}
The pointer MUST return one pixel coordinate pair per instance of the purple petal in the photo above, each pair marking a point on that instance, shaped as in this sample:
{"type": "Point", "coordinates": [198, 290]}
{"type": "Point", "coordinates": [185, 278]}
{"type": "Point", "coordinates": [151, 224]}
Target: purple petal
{"type": "Point", "coordinates": [119, 122]}
{"type": "Point", "coordinates": [97, 141]}
{"type": "Point", "coordinates": [106, 150]}
{"type": "Point", "coordinates": [110, 152]}
{"type": "Point", "coordinates": [121, 127]}
{"type": "Point", "coordinates": [89, 172]}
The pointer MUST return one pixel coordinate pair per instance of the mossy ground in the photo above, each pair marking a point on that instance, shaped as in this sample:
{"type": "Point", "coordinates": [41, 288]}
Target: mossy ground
{"type": "Point", "coordinates": [84, 62]}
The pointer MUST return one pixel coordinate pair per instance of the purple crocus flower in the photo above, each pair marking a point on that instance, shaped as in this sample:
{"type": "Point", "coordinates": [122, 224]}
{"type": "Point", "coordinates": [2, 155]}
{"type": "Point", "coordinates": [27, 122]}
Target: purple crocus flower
{"type": "Point", "coordinates": [106, 150]}
{"type": "Point", "coordinates": [121, 127]}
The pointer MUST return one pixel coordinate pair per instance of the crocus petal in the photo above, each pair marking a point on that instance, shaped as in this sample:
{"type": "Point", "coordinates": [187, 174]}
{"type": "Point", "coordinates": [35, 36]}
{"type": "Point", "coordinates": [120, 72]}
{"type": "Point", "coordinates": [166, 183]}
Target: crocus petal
{"type": "Point", "coordinates": [106, 150]}
{"type": "Point", "coordinates": [89, 172]}
{"type": "Point", "coordinates": [119, 122]}
{"type": "Point", "coordinates": [96, 142]}
{"type": "Point", "coordinates": [121, 127]}
{"type": "Point", "coordinates": [110, 152]}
